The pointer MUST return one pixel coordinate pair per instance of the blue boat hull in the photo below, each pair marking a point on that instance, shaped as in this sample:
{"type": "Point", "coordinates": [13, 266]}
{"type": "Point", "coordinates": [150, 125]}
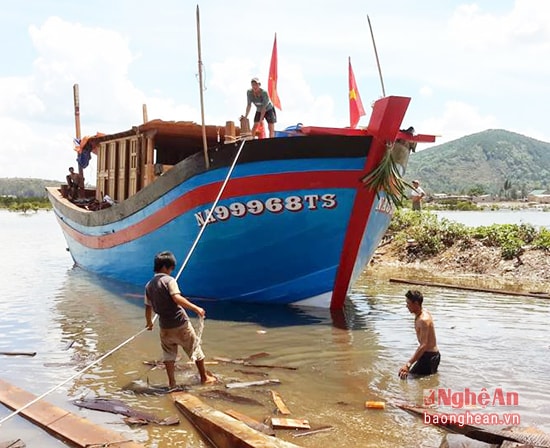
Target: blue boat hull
{"type": "Point", "coordinates": [294, 223]}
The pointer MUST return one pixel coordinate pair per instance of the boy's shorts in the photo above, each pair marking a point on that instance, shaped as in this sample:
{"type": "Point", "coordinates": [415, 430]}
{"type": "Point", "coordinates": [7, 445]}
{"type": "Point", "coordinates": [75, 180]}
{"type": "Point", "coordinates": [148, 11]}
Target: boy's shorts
{"type": "Point", "coordinates": [184, 336]}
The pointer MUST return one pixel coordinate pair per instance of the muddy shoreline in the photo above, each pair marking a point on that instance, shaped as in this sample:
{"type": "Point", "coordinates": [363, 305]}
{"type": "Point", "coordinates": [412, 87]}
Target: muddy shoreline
{"type": "Point", "coordinates": [478, 266]}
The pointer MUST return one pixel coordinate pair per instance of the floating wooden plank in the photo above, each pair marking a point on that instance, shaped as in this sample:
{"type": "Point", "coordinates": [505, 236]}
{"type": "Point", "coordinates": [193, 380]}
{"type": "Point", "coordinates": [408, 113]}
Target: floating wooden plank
{"type": "Point", "coordinates": [18, 443]}
{"type": "Point", "coordinates": [483, 434]}
{"type": "Point", "coordinates": [18, 353]}
{"type": "Point", "coordinates": [313, 431]}
{"type": "Point", "coordinates": [217, 394]}
{"type": "Point", "coordinates": [62, 424]}
{"type": "Point", "coordinates": [256, 356]}
{"type": "Point", "coordinates": [222, 430]}
{"type": "Point", "coordinates": [119, 407]}
{"type": "Point", "coordinates": [251, 372]}
{"type": "Point", "coordinates": [269, 366]}
{"type": "Point", "coordinates": [471, 288]}
{"type": "Point", "coordinates": [289, 423]}
{"type": "Point", "coordinates": [253, 383]}
{"type": "Point", "coordinates": [229, 360]}
{"type": "Point", "coordinates": [281, 406]}
{"type": "Point", "coordinates": [249, 421]}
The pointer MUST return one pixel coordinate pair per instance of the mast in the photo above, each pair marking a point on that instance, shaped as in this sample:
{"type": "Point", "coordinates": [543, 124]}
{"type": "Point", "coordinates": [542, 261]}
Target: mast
{"type": "Point", "coordinates": [377, 60]}
{"type": "Point", "coordinates": [76, 97]}
{"type": "Point", "coordinates": [204, 143]}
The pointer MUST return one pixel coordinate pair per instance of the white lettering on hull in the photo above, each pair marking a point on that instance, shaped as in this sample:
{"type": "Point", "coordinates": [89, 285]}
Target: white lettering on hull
{"type": "Point", "coordinates": [255, 207]}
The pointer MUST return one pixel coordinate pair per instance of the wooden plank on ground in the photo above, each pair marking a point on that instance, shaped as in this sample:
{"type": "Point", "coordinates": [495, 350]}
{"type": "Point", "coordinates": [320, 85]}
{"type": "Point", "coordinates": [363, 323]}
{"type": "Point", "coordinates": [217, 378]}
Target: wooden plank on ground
{"type": "Point", "coordinates": [60, 423]}
{"type": "Point", "coordinates": [222, 430]}
{"type": "Point", "coordinates": [289, 423]}
{"type": "Point", "coordinates": [281, 406]}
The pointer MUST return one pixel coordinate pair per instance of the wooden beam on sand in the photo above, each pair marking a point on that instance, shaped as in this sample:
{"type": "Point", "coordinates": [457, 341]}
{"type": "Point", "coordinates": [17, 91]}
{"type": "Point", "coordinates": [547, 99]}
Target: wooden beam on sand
{"type": "Point", "coordinates": [541, 295]}
{"type": "Point", "coordinates": [75, 431]}
{"type": "Point", "coordinates": [222, 430]}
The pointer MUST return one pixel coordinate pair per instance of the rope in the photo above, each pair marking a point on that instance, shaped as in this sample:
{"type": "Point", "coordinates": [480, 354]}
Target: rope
{"type": "Point", "coordinates": [198, 339]}
{"type": "Point", "coordinates": [109, 353]}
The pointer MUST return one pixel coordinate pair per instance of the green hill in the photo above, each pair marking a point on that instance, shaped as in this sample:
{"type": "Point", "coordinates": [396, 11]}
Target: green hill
{"type": "Point", "coordinates": [484, 162]}
{"type": "Point", "coordinates": [26, 188]}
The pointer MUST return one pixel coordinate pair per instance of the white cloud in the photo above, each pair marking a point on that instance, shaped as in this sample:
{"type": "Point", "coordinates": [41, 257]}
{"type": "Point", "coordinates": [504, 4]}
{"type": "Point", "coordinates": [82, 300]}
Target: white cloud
{"type": "Point", "coordinates": [470, 68]}
{"type": "Point", "coordinates": [459, 119]}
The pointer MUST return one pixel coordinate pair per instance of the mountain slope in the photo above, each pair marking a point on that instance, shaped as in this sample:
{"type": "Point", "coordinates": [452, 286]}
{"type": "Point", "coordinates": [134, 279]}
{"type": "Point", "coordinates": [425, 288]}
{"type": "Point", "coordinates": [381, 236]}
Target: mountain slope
{"type": "Point", "coordinates": [485, 161]}
{"type": "Point", "coordinates": [26, 187]}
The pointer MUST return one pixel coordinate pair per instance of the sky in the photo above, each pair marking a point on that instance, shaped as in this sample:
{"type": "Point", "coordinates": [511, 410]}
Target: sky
{"type": "Point", "coordinates": [468, 67]}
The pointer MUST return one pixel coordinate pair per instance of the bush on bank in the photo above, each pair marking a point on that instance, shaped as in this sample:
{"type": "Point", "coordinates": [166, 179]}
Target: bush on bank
{"type": "Point", "coordinates": [425, 235]}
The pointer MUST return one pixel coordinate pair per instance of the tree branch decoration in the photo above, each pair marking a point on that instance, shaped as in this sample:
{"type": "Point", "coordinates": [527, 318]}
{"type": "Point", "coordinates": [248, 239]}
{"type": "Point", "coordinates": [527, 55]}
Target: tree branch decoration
{"type": "Point", "coordinates": [387, 178]}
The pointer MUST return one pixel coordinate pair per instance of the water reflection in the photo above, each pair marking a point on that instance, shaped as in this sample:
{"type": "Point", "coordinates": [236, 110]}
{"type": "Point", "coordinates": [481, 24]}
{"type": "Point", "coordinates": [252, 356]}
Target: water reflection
{"type": "Point", "coordinates": [71, 317]}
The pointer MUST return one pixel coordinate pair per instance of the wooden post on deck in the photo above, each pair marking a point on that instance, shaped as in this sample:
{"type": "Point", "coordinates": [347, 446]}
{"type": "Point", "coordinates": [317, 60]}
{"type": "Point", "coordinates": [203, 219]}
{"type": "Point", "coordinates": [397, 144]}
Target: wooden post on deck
{"type": "Point", "coordinates": [76, 97]}
{"type": "Point", "coordinates": [144, 110]}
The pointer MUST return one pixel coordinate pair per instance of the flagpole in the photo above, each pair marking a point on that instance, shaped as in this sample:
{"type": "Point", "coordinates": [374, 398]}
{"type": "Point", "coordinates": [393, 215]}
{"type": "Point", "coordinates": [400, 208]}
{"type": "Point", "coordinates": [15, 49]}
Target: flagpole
{"type": "Point", "coordinates": [376, 55]}
{"type": "Point", "coordinates": [204, 143]}
{"type": "Point", "coordinates": [76, 99]}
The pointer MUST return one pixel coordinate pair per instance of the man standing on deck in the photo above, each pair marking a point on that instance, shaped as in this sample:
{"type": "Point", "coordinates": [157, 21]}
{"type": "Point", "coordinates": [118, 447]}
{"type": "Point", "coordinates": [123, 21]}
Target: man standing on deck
{"type": "Point", "coordinates": [425, 359]}
{"type": "Point", "coordinates": [264, 107]}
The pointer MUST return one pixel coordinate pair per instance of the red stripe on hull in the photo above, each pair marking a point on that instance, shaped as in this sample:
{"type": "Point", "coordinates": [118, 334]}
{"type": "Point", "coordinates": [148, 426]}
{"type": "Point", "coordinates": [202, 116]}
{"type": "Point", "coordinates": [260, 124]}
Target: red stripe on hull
{"type": "Point", "coordinates": [386, 118]}
{"type": "Point", "coordinates": [207, 193]}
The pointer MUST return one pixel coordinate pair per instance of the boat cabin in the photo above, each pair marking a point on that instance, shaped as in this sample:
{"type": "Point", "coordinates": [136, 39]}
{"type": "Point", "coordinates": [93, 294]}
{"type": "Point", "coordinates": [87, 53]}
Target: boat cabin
{"type": "Point", "coordinates": [129, 161]}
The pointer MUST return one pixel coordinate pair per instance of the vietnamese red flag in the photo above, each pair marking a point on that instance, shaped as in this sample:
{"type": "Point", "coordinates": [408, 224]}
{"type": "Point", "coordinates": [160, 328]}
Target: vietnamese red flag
{"type": "Point", "coordinates": [356, 110]}
{"type": "Point", "coordinates": [272, 81]}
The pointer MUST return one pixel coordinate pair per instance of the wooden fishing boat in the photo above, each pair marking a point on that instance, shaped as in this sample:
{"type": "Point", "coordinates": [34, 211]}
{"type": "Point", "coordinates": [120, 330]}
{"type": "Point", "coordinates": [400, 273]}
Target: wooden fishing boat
{"type": "Point", "coordinates": [295, 222]}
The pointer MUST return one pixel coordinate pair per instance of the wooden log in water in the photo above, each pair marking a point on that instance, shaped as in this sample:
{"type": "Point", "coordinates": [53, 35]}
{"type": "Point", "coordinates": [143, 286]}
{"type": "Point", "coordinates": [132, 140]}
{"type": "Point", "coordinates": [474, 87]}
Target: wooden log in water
{"type": "Point", "coordinates": [18, 353]}
{"type": "Point", "coordinates": [472, 288]}
{"type": "Point", "coordinates": [222, 430]}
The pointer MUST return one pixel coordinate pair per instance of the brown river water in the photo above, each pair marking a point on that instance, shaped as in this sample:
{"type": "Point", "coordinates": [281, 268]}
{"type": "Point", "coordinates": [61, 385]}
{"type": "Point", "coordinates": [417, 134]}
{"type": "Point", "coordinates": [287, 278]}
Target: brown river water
{"type": "Point", "coordinates": [70, 318]}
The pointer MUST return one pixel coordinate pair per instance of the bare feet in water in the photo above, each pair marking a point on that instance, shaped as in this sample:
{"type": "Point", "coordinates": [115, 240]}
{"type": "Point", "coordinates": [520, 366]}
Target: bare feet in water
{"type": "Point", "coordinates": [209, 379]}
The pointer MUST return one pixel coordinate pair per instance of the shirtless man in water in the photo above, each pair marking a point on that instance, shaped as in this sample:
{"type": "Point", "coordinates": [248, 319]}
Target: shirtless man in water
{"type": "Point", "coordinates": [426, 357]}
